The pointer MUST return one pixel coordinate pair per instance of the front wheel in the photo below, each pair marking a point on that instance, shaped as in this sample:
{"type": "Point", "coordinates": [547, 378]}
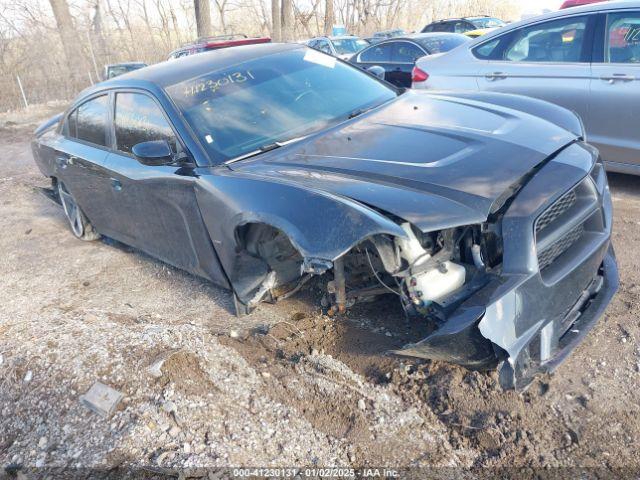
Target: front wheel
{"type": "Point", "coordinates": [79, 223]}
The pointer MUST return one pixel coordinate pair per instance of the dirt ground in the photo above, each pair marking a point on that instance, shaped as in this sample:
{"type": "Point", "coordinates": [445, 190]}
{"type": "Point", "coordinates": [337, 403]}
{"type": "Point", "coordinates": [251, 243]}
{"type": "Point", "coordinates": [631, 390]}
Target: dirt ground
{"type": "Point", "coordinates": [285, 386]}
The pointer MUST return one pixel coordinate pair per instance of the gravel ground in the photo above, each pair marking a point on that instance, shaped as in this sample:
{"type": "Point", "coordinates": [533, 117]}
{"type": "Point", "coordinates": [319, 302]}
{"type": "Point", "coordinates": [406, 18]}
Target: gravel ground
{"type": "Point", "coordinates": [285, 386]}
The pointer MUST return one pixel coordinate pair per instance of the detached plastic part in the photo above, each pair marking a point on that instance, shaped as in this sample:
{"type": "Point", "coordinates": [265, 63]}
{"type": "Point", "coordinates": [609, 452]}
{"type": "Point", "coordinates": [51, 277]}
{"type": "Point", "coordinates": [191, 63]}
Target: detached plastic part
{"type": "Point", "coordinates": [457, 341]}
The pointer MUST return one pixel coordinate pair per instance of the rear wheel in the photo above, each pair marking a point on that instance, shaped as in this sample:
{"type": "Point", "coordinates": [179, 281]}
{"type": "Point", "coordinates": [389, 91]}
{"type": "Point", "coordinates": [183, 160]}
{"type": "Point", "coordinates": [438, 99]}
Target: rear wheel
{"type": "Point", "coordinates": [79, 223]}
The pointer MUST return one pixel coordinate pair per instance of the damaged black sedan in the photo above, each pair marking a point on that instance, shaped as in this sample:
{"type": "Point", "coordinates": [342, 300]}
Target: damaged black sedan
{"type": "Point", "coordinates": [260, 167]}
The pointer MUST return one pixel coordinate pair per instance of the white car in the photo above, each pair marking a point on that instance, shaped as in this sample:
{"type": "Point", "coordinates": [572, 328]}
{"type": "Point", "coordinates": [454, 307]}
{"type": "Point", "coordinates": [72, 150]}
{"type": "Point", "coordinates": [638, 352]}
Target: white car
{"type": "Point", "coordinates": [586, 59]}
{"type": "Point", "coordinates": [343, 46]}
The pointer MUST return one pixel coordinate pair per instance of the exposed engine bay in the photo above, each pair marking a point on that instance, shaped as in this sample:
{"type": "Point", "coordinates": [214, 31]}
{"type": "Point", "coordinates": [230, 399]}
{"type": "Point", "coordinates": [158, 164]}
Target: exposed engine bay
{"type": "Point", "coordinates": [431, 273]}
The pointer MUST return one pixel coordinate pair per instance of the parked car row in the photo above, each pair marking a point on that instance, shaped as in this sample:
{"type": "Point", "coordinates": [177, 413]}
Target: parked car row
{"type": "Point", "coordinates": [398, 56]}
{"type": "Point", "coordinates": [586, 59]}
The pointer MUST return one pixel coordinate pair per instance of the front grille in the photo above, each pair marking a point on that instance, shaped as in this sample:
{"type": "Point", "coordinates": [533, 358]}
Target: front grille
{"type": "Point", "coordinates": [566, 223]}
{"type": "Point", "coordinates": [557, 248]}
{"type": "Point", "coordinates": [556, 210]}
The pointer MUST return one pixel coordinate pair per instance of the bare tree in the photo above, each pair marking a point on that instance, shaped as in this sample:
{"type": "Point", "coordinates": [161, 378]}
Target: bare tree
{"type": "Point", "coordinates": [203, 17]}
{"type": "Point", "coordinates": [287, 20]}
{"type": "Point", "coordinates": [328, 17]}
{"type": "Point", "coordinates": [67, 32]}
{"type": "Point", "coordinates": [276, 21]}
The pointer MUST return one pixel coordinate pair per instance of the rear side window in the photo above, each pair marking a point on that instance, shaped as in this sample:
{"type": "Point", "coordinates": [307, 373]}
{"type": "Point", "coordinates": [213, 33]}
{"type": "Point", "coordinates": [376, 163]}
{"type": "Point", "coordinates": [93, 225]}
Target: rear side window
{"type": "Point", "coordinates": [89, 121]}
{"type": "Point", "coordinates": [555, 41]}
{"type": "Point", "coordinates": [623, 38]}
{"type": "Point", "coordinates": [139, 119]}
{"type": "Point", "coordinates": [489, 50]}
{"type": "Point", "coordinates": [405, 52]}
{"type": "Point", "coordinates": [377, 53]}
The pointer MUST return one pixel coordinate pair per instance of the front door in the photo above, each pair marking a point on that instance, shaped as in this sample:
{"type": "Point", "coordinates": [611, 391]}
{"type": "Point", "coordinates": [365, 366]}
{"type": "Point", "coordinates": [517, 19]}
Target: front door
{"type": "Point", "coordinates": [612, 124]}
{"type": "Point", "coordinates": [155, 206]}
{"type": "Point", "coordinates": [549, 61]}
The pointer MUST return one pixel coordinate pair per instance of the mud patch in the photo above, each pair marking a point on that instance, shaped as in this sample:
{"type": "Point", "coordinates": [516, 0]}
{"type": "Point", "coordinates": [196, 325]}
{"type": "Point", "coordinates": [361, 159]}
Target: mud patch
{"type": "Point", "coordinates": [184, 371]}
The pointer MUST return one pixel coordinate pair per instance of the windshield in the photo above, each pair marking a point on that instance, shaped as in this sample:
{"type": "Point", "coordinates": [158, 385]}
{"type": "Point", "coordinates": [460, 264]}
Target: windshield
{"type": "Point", "coordinates": [442, 42]}
{"type": "Point", "coordinates": [349, 45]}
{"type": "Point", "coordinates": [274, 98]}
{"type": "Point", "coordinates": [488, 23]}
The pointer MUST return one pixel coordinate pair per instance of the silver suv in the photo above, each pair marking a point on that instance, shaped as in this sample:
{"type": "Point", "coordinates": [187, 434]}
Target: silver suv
{"type": "Point", "coordinates": [586, 59]}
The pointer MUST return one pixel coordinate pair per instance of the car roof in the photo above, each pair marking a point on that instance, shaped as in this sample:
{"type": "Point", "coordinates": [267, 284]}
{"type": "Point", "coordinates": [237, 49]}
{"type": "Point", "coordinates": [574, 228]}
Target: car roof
{"type": "Point", "coordinates": [592, 8]}
{"type": "Point", "coordinates": [420, 36]}
{"type": "Point", "coordinates": [125, 64]}
{"type": "Point", "coordinates": [334, 37]}
{"type": "Point", "coordinates": [175, 71]}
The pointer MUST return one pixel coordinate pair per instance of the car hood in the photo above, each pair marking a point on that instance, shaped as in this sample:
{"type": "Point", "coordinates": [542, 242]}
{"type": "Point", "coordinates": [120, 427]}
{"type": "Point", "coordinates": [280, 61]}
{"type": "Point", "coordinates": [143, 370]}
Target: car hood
{"type": "Point", "coordinates": [433, 160]}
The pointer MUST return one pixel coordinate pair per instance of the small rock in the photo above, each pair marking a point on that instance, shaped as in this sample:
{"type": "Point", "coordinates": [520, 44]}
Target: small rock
{"type": "Point", "coordinates": [1, 359]}
{"type": "Point", "coordinates": [28, 231]}
{"type": "Point", "coordinates": [388, 334]}
{"type": "Point", "coordinates": [187, 448]}
{"type": "Point", "coordinates": [101, 399]}
{"type": "Point", "coordinates": [155, 370]}
{"type": "Point", "coordinates": [161, 458]}
{"type": "Point", "coordinates": [174, 431]}
{"type": "Point", "coordinates": [234, 334]}
{"type": "Point", "coordinates": [42, 443]}
{"type": "Point", "coordinates": [266, 374]}
{"type": "Point", "coordinates": [169, 407]}
{"type": "Point", "coordinates": [352, 457]}
{"type": "Point", "coordinates": [40, 462]}
{"type": "Point", "coordinates": [362, 405]}
{"type": "Point", "coordinates": [28, 376]}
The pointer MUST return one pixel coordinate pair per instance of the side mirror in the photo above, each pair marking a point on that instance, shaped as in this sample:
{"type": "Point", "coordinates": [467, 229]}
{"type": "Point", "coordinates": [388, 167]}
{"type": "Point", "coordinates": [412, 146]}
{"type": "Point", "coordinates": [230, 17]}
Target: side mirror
{"type": "Point", "coordinates": [377, 70]}
{"type": "Point", "coordinates": [153, 153]}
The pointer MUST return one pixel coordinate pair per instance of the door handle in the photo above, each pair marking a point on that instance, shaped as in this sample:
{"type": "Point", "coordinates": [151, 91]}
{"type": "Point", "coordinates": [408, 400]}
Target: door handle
{"type": "Point", "coordinates": [618, 77]}
{"type": "Point", "coordinates": [492, 77]}
{"type": "Point", "coordinates": [116, 184]}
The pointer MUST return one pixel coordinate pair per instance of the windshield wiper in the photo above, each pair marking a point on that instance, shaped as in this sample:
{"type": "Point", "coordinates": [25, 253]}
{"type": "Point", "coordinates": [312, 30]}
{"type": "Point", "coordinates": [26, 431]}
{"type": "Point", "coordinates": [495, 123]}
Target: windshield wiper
{"type": "Point", "coordinates": [265, 148]}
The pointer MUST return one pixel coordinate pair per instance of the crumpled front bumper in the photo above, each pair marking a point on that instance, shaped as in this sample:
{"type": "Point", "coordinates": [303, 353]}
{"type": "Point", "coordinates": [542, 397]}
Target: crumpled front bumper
{"type": "Point", "coordinates": [527, 319]}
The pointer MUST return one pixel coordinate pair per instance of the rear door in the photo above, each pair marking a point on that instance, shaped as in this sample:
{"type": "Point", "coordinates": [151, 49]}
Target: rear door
{"type": "Point", "coordinates": [403, 58]}
{"type": "Point", "coordinates": [81, 155]}
{"type": "Point", "coordinates": [548, 60]}
{"type": "Point", "coordinates": [614, 112]}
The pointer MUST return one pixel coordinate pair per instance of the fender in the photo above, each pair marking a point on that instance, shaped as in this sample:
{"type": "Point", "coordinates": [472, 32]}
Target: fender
{"type": "Point", "coordinates": [320, 226]}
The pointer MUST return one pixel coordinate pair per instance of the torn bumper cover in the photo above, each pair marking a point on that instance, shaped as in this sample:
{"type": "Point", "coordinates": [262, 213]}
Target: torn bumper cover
{"type": "Point", "coordinates": [531, 315]}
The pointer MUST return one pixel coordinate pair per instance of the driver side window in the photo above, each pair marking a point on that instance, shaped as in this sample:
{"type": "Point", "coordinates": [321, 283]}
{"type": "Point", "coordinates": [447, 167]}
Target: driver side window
{"type": "Point", "coordinates": [139, 119]}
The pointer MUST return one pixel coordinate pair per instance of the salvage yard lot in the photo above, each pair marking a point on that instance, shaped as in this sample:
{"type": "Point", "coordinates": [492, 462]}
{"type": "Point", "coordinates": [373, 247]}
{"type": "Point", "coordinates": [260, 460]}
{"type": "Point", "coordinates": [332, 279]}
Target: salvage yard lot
{"type": "Point", "coordinates": [284, 386]}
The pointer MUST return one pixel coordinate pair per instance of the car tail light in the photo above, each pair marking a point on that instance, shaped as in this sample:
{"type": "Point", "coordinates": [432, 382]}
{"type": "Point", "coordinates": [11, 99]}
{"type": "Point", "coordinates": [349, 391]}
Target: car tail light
{"type": "Point", "coordinates": [418, 75]}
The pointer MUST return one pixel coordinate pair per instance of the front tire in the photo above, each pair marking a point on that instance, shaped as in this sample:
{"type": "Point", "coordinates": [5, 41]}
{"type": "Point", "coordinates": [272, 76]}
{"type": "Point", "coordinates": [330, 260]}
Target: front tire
{"type": "Point", "coordinates": [78, 221]}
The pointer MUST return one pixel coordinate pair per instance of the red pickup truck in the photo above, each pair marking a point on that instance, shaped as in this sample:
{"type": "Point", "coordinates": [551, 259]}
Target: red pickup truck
{"type": "Point", "coordinates": [215, 43]}
{"type": "Point", "coordinates": [577, 3]}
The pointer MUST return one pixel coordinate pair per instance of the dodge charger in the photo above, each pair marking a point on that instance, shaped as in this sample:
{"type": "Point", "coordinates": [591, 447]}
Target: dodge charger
{"type": "Point", "coordinates": [259, 168]}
